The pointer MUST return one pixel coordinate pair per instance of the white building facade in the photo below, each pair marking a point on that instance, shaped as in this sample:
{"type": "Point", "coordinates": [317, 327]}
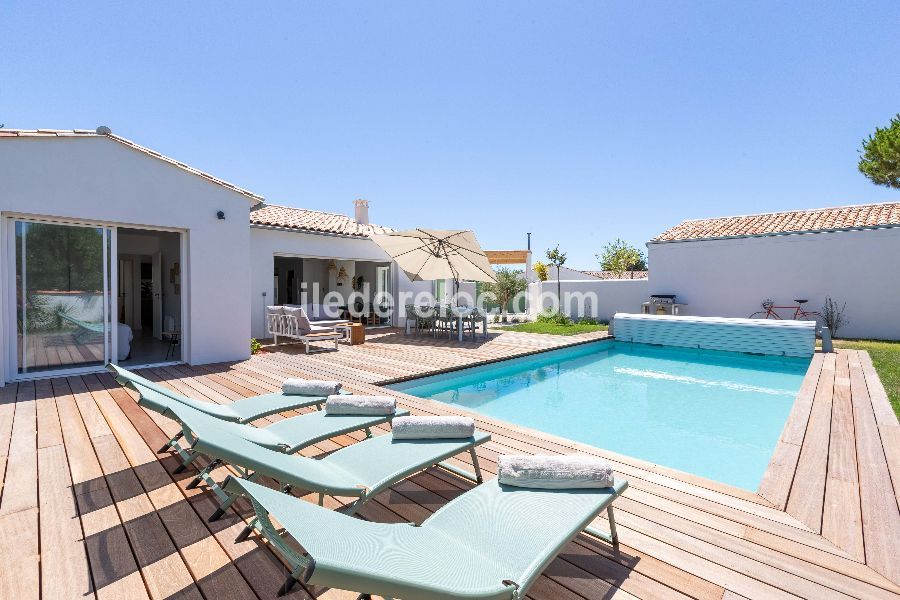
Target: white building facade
{"type": "Point", "coordinates": [111, 252]}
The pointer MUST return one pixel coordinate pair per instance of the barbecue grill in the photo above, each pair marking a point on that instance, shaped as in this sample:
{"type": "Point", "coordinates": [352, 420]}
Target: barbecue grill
{"type": "Point", "coordinates": [661, 304]}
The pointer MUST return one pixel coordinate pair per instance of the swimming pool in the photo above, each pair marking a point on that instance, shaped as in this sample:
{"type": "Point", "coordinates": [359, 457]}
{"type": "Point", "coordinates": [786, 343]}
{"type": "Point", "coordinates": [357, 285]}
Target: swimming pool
{"type": "Point", "coordinates": [714, 414]}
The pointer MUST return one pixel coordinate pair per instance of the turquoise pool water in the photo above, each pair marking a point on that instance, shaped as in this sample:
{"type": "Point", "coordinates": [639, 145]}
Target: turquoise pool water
{"type": "Point", "coordinates": [714, 414]}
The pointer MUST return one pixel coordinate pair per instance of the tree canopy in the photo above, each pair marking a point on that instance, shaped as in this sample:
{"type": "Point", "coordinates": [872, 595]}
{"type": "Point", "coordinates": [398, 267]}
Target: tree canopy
{"type": "Point", "coordinates": [509, 283]}
{"type": "Point", "coordinates": [619, 256]}
{"type": "Point", "coordinates": [880, 155]}
{"type": "Point", "coordinates": [557, 258]}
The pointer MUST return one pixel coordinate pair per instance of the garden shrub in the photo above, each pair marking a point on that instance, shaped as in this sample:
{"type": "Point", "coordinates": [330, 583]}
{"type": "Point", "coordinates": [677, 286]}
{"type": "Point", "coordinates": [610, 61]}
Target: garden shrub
{"type": "Point", "coordinates": [555, 317]}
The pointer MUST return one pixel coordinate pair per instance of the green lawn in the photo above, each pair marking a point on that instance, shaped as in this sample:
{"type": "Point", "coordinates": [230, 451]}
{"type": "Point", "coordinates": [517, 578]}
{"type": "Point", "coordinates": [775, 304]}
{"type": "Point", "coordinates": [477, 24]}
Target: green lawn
{"type": "Point", "coordinates": [886, 358]}
{"type": "Point", "coordinates": [554, 329]}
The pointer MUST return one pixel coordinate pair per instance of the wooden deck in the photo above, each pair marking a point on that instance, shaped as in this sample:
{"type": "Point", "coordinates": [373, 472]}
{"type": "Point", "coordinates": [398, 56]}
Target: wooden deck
{"type": "Point", "coordinates": [89, 510]}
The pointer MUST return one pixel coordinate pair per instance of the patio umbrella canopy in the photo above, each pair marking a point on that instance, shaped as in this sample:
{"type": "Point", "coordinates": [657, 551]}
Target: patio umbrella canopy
{"type": "Point", "coordinates": [429, 254]}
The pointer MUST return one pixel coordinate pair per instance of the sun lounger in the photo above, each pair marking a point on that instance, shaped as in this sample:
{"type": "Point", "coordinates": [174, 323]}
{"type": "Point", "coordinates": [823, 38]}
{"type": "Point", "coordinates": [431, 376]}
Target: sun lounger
{"type": "Point", "coordinates": [287, 435]}
{"type": "Point", "coordinates": [244, 410]}
{"type": "Point", "coordinates": [239, 411]}
{"type": "Point", "coordinates": [359, 471]}
{"type": "Point", "coordinates": [86, 329]}
{"type": "Point", "coordinates": [490, 543]}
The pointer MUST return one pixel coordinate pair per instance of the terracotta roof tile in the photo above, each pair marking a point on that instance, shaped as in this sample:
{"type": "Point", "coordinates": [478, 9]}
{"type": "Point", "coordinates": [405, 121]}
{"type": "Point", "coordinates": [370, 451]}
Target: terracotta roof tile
{"type": "Point", "coordinates": [130, 144]}
{"type": "Point", "coordinates": [796, 221]}
{"type": "Point", "coordinates": [302, 219]}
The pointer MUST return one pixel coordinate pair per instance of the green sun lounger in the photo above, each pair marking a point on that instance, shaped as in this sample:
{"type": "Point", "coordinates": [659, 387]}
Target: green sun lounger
{"type": "Point", "coordinates": [86, 329]}
{"type": "Point", "coordinates": [359, 471]}
{"type": "Point", "coordinates": [490, 543]}
{"type": "Point", "coordinates": [244, 410]}
{"type": "Point", "coordinates": [239, 411]}
{"type": "Point", "coordinates": [288, 435]}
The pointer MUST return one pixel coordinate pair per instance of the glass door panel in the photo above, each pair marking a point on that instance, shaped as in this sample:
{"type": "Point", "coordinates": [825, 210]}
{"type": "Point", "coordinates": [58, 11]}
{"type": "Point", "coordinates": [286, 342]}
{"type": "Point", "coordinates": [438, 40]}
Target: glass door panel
{"type": "Point", "coordinates": [62, 303]}
{"type": "Point", "coordinates": [384, 302]}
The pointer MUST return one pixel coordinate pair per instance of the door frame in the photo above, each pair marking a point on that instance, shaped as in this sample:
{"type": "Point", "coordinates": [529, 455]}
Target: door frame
{"type": "Point", "coordinates": [9, 330]}
{"type": "Point", "coordinates": [393, 280]}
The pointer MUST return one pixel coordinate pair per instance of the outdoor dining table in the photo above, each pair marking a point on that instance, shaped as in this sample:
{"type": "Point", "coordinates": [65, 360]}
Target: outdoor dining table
{"type": "Point", "coordinates": [463, 312]}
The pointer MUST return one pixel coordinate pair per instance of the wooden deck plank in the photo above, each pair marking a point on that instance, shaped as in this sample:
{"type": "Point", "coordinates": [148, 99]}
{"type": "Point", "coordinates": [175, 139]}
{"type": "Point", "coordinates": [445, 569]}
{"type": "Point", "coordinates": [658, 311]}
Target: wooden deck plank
{"type": "Point", "coordinates": [886, 420]}
{"type": "Point", "coordinates": [65, 572]}
{"type": "Point", "coordinates": [807, 494]}
{"type": "Point", "coordinates": [64, 561]}
{"type": "Point", "coordinates": [19, 505]}
{"type": "Point", "coordinates": [114, 570]}
{"type": "Point", "coordinates": [880, 516]}
{"type": "Point", "coordinates": [20, 486]}
{"type": "Point", "coordinates": [49, 432]}
{"type": "Point", "coordinates": [841, 519]}
{"type": "Point", "coordinates": [804, 579]}
{"type": "Point", "coordinates": [7, 413]}
{"type": "Point", "coordinates": [776, 482]}
{"type": "Point", "coordinates": [19, 549]}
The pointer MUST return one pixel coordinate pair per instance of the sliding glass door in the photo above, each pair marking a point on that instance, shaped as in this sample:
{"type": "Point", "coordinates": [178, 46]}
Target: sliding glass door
{"type": "Point", "coordinates": [62, 303]}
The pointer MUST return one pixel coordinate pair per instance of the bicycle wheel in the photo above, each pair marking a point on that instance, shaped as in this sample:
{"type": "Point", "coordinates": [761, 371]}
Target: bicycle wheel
{"type": "Point", "coordinates": [760, 314]}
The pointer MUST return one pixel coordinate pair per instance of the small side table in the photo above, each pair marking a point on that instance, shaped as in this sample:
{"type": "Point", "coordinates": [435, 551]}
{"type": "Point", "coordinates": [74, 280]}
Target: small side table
{"type": "Point", "coordinates": [357, 334]}
{"type": "Point", "coordinates": [174, 341]}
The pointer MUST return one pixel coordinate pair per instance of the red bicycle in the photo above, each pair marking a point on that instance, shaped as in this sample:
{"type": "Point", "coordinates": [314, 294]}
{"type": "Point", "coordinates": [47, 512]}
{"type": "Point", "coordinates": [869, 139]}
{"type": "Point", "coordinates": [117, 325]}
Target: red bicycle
{"type": "Point", "coordinates": [769, 308]}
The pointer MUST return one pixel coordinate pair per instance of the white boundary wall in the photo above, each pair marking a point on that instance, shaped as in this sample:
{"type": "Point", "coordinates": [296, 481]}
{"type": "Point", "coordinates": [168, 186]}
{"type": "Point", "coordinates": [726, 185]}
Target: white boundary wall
{"type": "Point", "coordinates": [731, 277]}
{"type": "Point", "coordinates": [597, 298]}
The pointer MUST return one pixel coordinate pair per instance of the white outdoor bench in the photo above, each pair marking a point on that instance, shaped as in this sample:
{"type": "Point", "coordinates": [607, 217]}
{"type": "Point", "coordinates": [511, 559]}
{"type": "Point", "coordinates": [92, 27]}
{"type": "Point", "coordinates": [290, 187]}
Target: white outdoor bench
{"type": "Point", "coordinates": [287, 326]}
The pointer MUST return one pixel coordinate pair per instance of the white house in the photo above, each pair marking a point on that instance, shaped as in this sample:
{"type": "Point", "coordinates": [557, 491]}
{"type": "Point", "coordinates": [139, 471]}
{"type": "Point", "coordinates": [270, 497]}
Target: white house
{"type": "Point", "coordinates": [728, 266]}
{"type": "Point", "coordinates": [101, 236]}
{"type": "Point", "coordinates": [112, 252]}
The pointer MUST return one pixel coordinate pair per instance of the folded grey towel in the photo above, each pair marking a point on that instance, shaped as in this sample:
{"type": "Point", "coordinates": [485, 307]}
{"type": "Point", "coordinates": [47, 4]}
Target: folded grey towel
{"type": "Point", "coordinates": [429, 428]}
{"type": "Point", "coordinates": [310, 387]}
{"type": "Point", "coordinates": [360, 405]}
{"type": "Point", "coordinates": [555, 472]}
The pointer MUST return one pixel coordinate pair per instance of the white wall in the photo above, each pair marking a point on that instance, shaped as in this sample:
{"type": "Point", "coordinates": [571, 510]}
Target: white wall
{"type": "Point", "coordinates": [602, 297]}
{"type": "Point", "coordinates": [315, 271]}
{"type": "Point", "coordinates": [730, 278]}
{"type": "Point", "coordinates": [565, 273]}
{"type": "Point", "coordinates": [98, 180]}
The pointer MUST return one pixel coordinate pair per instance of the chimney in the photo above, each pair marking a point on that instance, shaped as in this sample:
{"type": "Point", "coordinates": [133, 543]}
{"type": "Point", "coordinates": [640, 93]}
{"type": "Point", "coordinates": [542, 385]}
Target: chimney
{"type": "Point", "coordinates": [361, 211]}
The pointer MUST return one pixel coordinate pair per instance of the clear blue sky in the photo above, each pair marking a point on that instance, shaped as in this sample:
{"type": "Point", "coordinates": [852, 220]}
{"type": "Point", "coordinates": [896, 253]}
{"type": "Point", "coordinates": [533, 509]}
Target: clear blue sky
{"type": "Point", "coordinates": [579, 122]}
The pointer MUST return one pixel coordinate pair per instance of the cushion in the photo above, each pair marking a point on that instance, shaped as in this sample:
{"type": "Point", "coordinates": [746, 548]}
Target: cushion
{"type": "Point", "coordinates": [303, 324]}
